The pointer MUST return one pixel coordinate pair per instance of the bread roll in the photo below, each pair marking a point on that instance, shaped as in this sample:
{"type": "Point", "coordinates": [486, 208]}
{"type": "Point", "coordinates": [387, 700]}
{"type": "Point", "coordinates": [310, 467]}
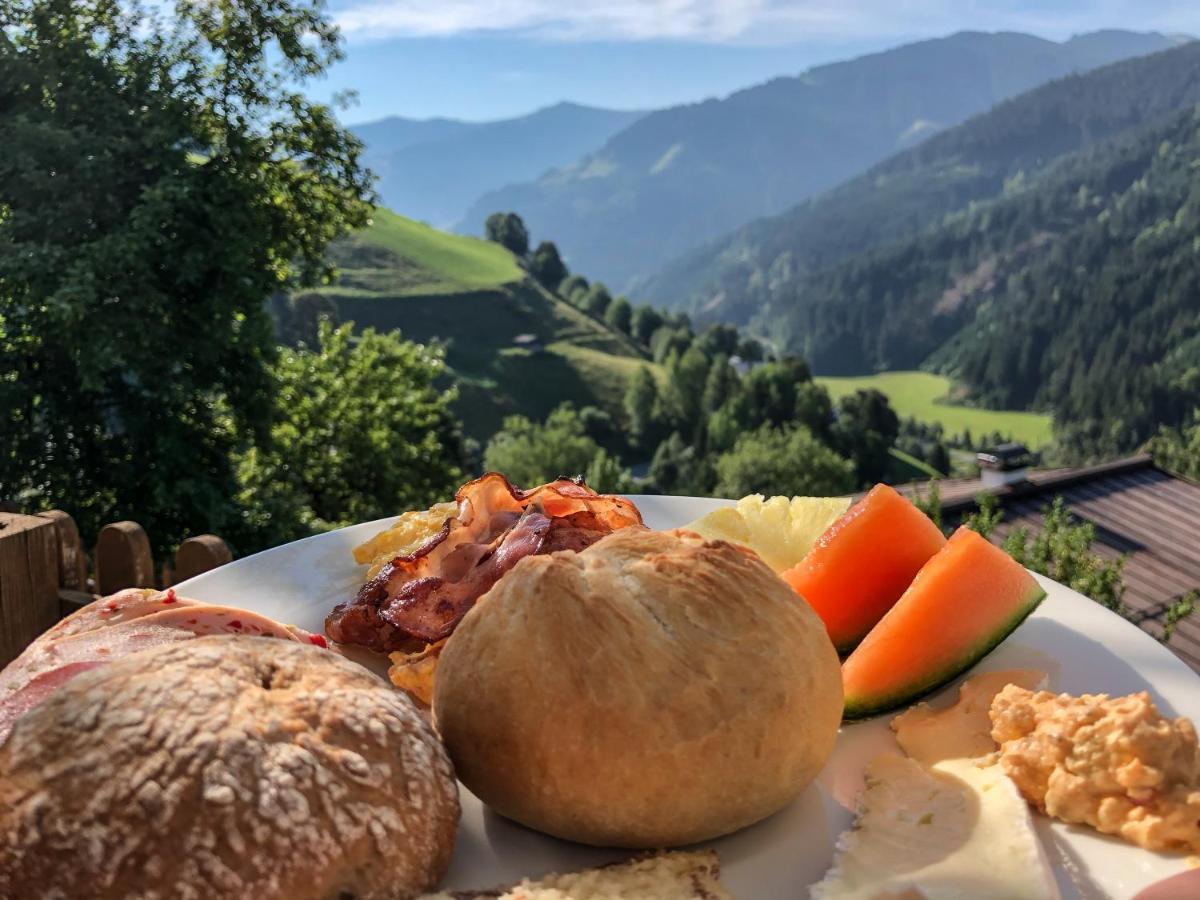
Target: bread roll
{"type": "Point", "coordinates": [225, 767]}
{"type": "Point", "coordinates": [651, 691]}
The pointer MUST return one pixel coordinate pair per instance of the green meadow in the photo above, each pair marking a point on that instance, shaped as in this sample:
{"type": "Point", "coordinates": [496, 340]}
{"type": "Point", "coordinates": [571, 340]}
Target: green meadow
{"type": "Point", "coordinates": [922, 395]}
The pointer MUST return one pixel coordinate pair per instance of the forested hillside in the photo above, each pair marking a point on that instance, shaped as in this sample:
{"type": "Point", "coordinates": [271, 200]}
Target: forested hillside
{"type": "Point", "coordinates": [1076, 293]}
{"type": "Point", "coordinates": [734, 278]}
{"type": "Point", "coordinates": [682, 176]}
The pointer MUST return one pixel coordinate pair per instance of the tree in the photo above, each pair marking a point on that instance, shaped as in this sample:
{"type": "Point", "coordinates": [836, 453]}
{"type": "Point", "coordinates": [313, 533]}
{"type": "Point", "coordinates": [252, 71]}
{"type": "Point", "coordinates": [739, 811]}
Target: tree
{"type": "Point", "coordinates": [678, 469]}
{"type": "Point", "coordinates": [363, 432]}
{"type": "Point", "coordinates": [750, 350]}
{"type": "Point", "coordinates": [619, 315]}
{"type": "Point", "coordinates": [782, 460]}
{"type": "Point", "coordinates": [574, 288]}
{"type": "Point", "coordinates": [646, 321]}
{"type": "Point", "coordinates": [865, 430]}
{"type": "Point", "coordinates": [547, 266]}
{"type": "Point", "coordinates": [507, 230]}
{"type": "Point", "coordinates": [161, 179]}
{"type": "Point", "coordinates": [641, 406]}
{"type": "Point", "coordinates": [1178, 449]}
{"type": "Point", "coordinates": [531, 453]}
{"type": "Point", "coordinates": [722, 339]}
{"type": "Point", "coordinates": [595, 302]}
{"type": "Point", "coordinates": [939, 458]}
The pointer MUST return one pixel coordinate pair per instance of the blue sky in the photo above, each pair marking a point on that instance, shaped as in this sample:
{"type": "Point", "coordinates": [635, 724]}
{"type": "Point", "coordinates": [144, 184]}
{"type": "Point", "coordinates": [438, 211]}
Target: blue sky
{"type": "Point", "coordinates": [488, 59]}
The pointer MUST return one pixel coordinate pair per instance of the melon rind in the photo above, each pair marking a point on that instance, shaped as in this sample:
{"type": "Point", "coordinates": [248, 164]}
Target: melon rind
{"type": "Point", "coordinates": [859, 707]}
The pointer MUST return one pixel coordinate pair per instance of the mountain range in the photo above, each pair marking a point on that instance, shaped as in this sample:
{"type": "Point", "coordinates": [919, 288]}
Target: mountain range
{"type": "Point", "coordinates": [433, 169]}
{"type": "Point", "coordinates": [1043, 254]}
{"type": "Point", "coordinates": [676, 178]}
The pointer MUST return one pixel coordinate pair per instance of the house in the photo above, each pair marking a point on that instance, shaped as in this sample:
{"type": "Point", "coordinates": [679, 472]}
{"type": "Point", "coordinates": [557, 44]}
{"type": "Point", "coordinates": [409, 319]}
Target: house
{"type": "Point", "coordinates": [1139, 510]}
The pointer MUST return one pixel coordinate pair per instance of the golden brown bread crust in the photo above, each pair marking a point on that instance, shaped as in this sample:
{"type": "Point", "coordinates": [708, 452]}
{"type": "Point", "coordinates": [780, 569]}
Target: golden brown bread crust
{"type": "Point", "coordinates": [653, 690]}
{"type": "Point", "coordinates": [225, 767]}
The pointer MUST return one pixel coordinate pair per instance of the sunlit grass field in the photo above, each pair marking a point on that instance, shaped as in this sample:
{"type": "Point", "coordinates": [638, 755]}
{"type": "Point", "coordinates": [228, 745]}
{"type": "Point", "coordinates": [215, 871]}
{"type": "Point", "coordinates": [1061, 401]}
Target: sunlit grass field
{"type": "Point", "coordinates": [921, 395]}
{"type": "Point", "coordinates": [453, 261]}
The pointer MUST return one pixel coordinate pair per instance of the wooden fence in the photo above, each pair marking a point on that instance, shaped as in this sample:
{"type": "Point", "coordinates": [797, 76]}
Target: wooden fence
{"type": "Point", "coordinates": [45, 573]}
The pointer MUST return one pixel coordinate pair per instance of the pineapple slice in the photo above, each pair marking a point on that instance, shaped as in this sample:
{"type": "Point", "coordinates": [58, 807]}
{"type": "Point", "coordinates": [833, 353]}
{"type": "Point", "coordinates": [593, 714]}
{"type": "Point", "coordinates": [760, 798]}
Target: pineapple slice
{"type": "Point", "coordinates": [407, 534]}
{"type": "Point", "coordinates": [781, 529]}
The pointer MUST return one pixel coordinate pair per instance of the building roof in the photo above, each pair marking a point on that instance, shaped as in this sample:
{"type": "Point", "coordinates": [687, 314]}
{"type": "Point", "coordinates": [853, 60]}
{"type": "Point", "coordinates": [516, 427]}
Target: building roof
{"type": "Point", "coordinates": [1151, 516]}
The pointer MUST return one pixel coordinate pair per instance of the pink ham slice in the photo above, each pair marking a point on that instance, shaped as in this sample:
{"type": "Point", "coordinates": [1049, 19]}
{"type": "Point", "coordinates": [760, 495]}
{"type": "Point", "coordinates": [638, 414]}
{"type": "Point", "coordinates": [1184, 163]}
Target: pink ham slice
{"type": "Point", "coordinates": [117, 626]}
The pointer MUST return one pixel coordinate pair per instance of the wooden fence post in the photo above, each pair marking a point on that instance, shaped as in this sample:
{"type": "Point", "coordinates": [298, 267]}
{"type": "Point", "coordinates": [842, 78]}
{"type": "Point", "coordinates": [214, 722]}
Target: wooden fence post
{"type": "Point", "coordinates": [28, 581]}
{"type": "Point", "coordinates": [199, 554]}
{"type": "Point", "coordinates": [123, 558]}
{"type": "Point", "coordinates": [72, 561]}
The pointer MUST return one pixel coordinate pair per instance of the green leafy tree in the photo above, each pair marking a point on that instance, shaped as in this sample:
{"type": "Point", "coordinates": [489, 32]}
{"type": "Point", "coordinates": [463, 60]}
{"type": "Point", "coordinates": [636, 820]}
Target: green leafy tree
{"type": "Point", "coordinates": [641, 407]}
{"type": "Point", "coordinates": [574, 288]}
{"type": "Point", "coordinates": [507, 230]}
{"type": "Point", "coordinates": [865, 430]}
{"type": "Point", "coordinates": [363, 432]}
{"type": "Point", "coordinates": [684, 397]}
{"type": "Point", "coordinates": [939, 458]}
{"type": "Point", "coordinates": [531, 453]}
{"type": "Point", "coordinates": [1178, 449]}
{"type": "Point", "coordinates": [646, 321]}
{"type": "Point", "coordinates": [547, 266]}
{"type": "Point", "coordinates": [595, 302]}
{"type": "Point", "coordinates": [750, 350]}
{"type": "Point", "coordinates": [677, 468]}
{"type": "Point", "coordinates": [619, 315]}
{"type": "Point", "coordinates": [160, 179]}
{"type": "Point", "coordinates": [787, 460]}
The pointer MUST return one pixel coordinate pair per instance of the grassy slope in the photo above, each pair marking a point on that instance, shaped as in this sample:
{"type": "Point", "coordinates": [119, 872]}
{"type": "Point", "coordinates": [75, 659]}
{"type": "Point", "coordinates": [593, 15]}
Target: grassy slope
{"type": "Point", "coordinates": [917, 394]}
{"type": "Point", "coordinates": [453, 261]}
{"type": "Point", "coordinates": [472, 296]}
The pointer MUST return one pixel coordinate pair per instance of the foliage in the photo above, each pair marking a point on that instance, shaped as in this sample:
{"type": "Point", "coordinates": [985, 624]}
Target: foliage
{"type": "Point", "coordinates": [678, 468]}
{"type": "Point", "coordinates": [1177, 612]}
{"type": "Point", "coordinates": [507, 230]}
{"type": "Point", "coordinates": [646, 321]}
{"type": "Point", "coordinates": [1178, 449]}
{"type": "Point", "coordinates": [619, 315]}
{"type": "Point", "coordinates": [363, 432]}
{"type": "Point", "coordinates": [161, 179]}
{"type": "Point", "coordinates": [641, 406]}
{"type": "Point", "coordinates": [595, 301]}
{"type": "Point", "coordinates": [531, 453]}
{"type": "Point", "coordinates": [865, 429]}
{"type": "Point", "coordinates": [547, 266]}
{"type": "Point", "coordinates": [786, 460]}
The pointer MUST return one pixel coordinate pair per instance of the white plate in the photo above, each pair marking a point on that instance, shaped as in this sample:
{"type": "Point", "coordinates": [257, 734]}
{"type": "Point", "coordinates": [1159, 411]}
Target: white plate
{"type": "Point", "coordinates": [1085, 648]}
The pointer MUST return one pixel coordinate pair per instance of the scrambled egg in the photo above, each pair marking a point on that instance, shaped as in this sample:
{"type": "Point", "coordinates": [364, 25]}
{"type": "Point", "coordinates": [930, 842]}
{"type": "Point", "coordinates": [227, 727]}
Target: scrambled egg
{"type": "Point", "coordinates": [408, 533]}
{"type": "Point", "coordinates": [1115, 764]}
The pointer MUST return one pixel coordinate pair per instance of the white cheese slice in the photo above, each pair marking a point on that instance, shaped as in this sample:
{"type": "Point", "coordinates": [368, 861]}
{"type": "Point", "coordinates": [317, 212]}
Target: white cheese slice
{"type": "Point", "coordinates": [946, 832]}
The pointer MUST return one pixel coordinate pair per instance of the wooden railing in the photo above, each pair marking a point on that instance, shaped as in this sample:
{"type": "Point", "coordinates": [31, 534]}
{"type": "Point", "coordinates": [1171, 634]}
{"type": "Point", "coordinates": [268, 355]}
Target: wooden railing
{"type": "Point", "coordinates": [45, 573]}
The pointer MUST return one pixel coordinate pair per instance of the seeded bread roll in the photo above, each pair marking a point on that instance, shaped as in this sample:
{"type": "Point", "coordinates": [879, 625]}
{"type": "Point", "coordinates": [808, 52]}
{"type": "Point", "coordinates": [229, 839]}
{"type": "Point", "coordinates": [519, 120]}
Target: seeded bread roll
{"type": "Point", "coordinates": [225, 767]}
{"type": "Point", "coordinates": [653, 690]}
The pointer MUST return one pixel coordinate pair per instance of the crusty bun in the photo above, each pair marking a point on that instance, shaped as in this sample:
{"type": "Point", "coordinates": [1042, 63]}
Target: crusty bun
{"type": "Point", "coordinates": [651, 691]}
{"type": "Point", "coordinates": [225, 767]}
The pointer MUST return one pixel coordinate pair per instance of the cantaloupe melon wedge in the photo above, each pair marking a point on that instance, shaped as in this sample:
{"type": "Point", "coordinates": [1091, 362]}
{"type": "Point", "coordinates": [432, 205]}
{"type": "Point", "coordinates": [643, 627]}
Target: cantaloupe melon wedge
{"type": "Point", "coordinates": [968, 598]}
{"type": "Point", "coordinates": [861, 565]}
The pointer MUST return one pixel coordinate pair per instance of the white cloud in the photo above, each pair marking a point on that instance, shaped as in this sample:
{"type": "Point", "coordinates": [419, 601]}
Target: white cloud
{"type": "Point", "coordinates": [748, 21]}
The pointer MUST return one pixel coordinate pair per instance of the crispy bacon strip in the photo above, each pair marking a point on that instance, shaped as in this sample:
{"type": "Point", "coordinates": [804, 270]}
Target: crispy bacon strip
{"type": "Point", "coordinates": [420, 598]}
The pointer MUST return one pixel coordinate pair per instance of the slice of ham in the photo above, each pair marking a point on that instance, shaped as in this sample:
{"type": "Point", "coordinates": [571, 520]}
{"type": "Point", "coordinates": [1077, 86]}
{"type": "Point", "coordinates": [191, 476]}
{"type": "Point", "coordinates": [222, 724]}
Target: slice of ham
{"type": "Point", "coordinates": [421, 597]}
{"type": "Point", "coordinates": [117, 626]}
